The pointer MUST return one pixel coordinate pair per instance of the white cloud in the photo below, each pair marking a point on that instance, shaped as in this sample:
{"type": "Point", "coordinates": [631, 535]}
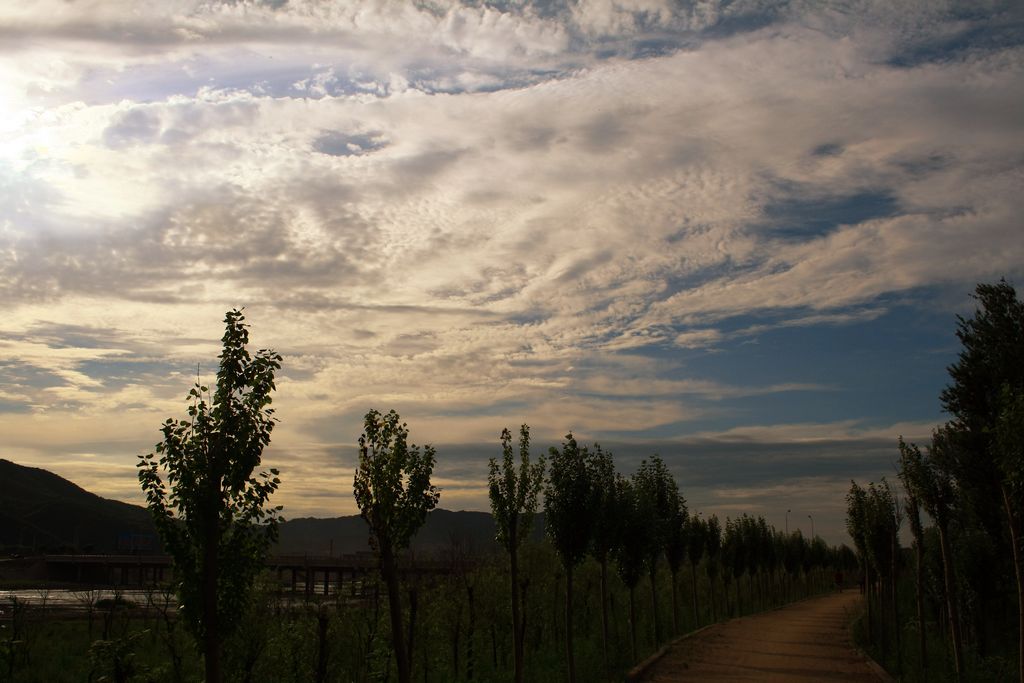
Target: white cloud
{"type": "Point", "coordinates": [514, 206]}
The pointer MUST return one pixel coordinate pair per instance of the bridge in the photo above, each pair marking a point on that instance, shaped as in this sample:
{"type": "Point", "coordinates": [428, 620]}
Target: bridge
{"type": "Point", "coordinates": [322, 574]}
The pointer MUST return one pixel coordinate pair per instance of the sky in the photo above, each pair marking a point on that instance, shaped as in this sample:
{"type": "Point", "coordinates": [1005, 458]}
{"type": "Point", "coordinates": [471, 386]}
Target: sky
{"type": "Point", "coordinates": [733, 233]}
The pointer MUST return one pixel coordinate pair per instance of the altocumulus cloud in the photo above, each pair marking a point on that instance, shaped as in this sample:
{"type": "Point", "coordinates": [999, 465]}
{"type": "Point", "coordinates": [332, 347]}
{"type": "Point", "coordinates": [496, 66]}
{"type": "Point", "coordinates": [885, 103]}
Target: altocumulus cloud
{"type": "Point", "coordinates": [734, 233]}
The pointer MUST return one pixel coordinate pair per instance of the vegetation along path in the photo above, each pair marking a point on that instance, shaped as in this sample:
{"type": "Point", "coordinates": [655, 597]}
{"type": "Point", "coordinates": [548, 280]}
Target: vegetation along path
{"type": "Point", "coordinates": [805, 641]}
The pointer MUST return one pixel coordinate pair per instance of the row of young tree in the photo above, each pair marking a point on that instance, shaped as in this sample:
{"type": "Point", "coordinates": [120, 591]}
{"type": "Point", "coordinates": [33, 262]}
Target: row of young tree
{"type": "Point", "coordinates": [968, 481]}
{"type": "Point", "coordinates": [214, 517]}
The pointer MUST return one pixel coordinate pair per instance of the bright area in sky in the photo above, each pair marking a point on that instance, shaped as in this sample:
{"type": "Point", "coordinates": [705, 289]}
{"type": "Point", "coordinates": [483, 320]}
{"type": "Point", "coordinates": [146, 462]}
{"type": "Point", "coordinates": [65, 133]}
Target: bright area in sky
{"type": "Point", "coordinates": [735, 233]}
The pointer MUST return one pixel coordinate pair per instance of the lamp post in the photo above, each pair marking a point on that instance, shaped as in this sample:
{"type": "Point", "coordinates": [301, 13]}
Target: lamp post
{"type": "Point", "coordinates": [787, 521]}
{"type": "Point", "coordinates": [812, 527]}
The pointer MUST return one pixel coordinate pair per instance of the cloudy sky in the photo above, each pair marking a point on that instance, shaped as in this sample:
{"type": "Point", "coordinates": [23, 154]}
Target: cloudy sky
{"type": "Point", "coordinates": [736, 233]}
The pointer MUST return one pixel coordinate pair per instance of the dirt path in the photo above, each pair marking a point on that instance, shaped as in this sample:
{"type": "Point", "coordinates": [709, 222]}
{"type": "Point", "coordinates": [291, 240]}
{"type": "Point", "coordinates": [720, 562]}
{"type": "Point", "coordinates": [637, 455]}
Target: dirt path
{"type": "Point", "coordinates": [807, 641]}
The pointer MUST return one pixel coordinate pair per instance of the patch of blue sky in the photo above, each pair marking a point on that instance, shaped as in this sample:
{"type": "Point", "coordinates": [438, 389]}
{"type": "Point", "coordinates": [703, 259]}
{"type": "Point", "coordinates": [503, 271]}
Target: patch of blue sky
{"type": "Point", "coordinates": [992, 33]}
{"type": "Point", "coordinates": [14, 373]}
{"type": "Point", "coordinates": [879, 371]}
{"type": "Point", "coordinates": [794, 216]}
{"type": "Point", "coordinates": [744, 22]}
{"type": "Point", "coordinates": [119, 373]}
{"type": "Point", "coordinates": [16, 407]}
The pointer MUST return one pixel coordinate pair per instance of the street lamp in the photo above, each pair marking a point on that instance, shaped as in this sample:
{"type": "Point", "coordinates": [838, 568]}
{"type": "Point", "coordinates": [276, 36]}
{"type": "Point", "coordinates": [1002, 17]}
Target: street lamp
{"type": "Point", "coordinates": [787, 521]}
{"type": "Point", "coordinates": [812, 527]}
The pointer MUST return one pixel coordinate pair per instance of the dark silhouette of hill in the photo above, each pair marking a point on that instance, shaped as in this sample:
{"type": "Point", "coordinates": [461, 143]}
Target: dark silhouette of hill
{"type": "Point", "coordinates": [473, 531]}
{"type": "Point", "coordinates": [40, 511]}
{"type": "Point", "coordinates": [43, 512]}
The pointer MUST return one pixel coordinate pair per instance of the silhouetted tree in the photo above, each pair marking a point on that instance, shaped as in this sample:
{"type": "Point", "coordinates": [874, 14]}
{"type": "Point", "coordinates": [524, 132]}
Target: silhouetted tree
{"type": "Point", "coordinates": [988, 381]}
{"type": "Point", "coordinates": [393, 490]}
{"type": "Point", "coordinates": [607, 523]}
{"type": "Point", "coordinates": [675, 550]}
{"type": "Point", "coordinates": [513, 503]}
{"type": "Point", "coordinates": [568, 516]}
{"type": "Point", "coordinates": [655, 484]}
{"type": "Point", "coordinates": [910, 463]}
{"type": "Point", "coordinates": [696, 538]}
{"type": "Point", "coordinates": [934, 486]}
{"type": "Point", "coordinates": [713, 545]}
{"type": "Point", "coordinates": [211, 512]}
{"type": "Point", "coordinates": [633, 547]}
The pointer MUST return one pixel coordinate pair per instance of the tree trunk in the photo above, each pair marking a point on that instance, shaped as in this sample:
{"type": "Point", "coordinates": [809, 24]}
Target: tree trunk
{"type": "Point", "coordinates": [895, 607]}
{"type": "Point", "coordinates": [570, 662]}
{"type": "Point", "coordinates": [390, 572]}
{"type": "Point", "coordinates": [211, 569]}
{"type": "Point", "coordinates": [470, 634]}
{"type": "Point", "coordinates": [675, 605]}
{"type": "Point", "coordinates": [951, 608]}
{"type": "Point", "coordinates": [867, 598]}
{"type": "Point", "coordinates": [632, 622]}
{"type": "Point", "coordinates": [1014, 544]}
{"type": "Point", "coordinates": [413, 605]}
{"type": "Point", "coordinates": [922, 641]}
{"type": "Point", "coordinates": [517, 621]}
{"type": "Point", "coordinates": [654, 605]}
{"type": "Point", "coordinates": [604, 612]}
{"type": "Point", "coordinates": [693, 577]}
{"type": "Point", "coordinates": [714, 610]}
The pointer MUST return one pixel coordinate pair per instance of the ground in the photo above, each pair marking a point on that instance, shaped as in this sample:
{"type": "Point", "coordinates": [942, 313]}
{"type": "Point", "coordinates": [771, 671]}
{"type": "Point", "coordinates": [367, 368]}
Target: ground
{"type": "Point", "coordinates": [806, 641]}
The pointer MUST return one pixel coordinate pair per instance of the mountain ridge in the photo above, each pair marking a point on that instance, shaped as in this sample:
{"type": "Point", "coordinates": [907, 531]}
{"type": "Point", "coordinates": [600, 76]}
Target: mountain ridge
{"type": "Point", "coordinates": [41, 511]}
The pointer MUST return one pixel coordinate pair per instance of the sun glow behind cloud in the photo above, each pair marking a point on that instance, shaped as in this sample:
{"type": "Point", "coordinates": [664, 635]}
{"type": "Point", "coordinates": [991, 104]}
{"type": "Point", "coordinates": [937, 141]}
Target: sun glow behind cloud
{"type": "Point", "coordinates": [617, 218]}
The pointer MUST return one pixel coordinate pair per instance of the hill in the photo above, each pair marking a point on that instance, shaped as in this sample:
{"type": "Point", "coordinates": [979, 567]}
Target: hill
{"type": "Point", "coordinates": [473, 531]}
{"type": "Point", "coordinates": [44, 512]}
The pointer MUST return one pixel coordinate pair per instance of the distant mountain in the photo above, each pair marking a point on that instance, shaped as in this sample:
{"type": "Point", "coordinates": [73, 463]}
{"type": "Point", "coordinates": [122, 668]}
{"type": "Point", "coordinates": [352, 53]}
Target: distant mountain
{"type": "Point", "coordinates": [473, 531]}
{"type": "Point", "coordinates": [44, 512]}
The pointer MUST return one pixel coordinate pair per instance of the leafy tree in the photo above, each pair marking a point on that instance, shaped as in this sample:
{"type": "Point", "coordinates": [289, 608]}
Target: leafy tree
{"type": "Point", "coordinates": [1009, 434]}
{"type": "Point", "coordinates": [933, 484]}
{"type": "Point", "coordinates": [674, 547]}
{"type": "Point", "coordinates": [910, 462]}
{"type": "Point", "coordinates": [655, 484]}
{"type": "Point", "coordinates": [882, 541]}
{"type": "Point", "coordinates": [607, 523]}
{"type": "Point", "coordinates": [713, 545]}
{"type": "Point", "coordinates": [211, 512]}
{"type": "Point", "coordinates": [513, 504]}
{"type": "Point", "coordinates": [393, 490]}
{"type": "Point", "coordinates": [988, 382]}
{"type": "Point", "coordinates": [857, 527]}
{"type": "Point", "coordinates": [636, 536]}
{"type": "Point", "coordinates": [696, 537]}
{"type": "Point", "coordinates": [568, 512]}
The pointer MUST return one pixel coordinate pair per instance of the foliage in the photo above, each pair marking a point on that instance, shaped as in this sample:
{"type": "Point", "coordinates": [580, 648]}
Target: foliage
{"type": "Point", "coordinates": [569, 501]}
{"type": "Point", "coordinates": [394, 494]}
{"type": "Point", "coordinates": [513, 503]}
{"type": "Point", "coordinates": [514, 494]}
{"type": "Point", "coordinates": [392, 481]}
{"type": "Point", "coordinates": [209, 509]}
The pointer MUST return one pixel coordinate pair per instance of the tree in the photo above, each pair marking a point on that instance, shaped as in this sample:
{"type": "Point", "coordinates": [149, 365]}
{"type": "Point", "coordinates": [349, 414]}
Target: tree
{"type": "Point", "coordinates": [675, 544]}
{"type": "Point", "coordinates": [636, 536]}
{"type": "Point", "coordinates": [696, 535]}
{"type": "Point", "coordinates": [393, 490]}
{"type": "Point", "coordinates": [932, 483]}
{"type": "Point", "coordinates": [988, 381]}
{"type": "Point", "coordinates": [568, 511]}
{"type": "Point", "coordinates": [655, 484]}
{"type": "Point", "coordinates": [713, 545]}
{"type": "Point", "coordinates": [210, 511]}
{"type": "Point", "coordinates": [607, 523]}
{"type": "Point", "coordinates": [513, 504]}
{"type": "Point", "coordinates": [910, 462]}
